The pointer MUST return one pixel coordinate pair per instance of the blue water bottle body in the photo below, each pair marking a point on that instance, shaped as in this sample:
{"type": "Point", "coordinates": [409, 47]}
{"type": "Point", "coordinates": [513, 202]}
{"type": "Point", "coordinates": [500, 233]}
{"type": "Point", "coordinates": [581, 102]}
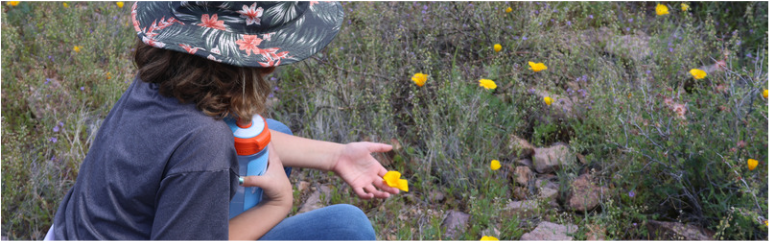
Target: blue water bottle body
{"type": "Point", "coordinates": [248, 164]}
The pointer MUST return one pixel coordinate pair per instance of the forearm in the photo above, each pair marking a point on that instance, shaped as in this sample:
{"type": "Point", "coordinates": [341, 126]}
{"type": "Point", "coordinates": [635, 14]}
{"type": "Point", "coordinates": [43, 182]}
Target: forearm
{"type": "Point", "coordinates": [254, 223]}
{"type": "Point", "coordinates": [307, 153]}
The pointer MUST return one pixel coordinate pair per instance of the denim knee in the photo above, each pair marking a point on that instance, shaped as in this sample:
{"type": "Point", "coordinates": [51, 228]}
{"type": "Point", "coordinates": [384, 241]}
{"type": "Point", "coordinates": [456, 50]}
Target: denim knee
{"type": "Point", "coordinates": [353, 223]}
{"type": "Point", "coordinates": [278, 126]}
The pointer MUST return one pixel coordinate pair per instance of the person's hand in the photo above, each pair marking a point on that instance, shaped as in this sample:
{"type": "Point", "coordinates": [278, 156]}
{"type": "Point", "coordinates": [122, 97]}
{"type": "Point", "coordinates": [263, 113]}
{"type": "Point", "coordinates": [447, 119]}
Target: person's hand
{"type": "Point", "coordinates": [356, 166]}
{"type": "Point", "coordinates": [274, 183]}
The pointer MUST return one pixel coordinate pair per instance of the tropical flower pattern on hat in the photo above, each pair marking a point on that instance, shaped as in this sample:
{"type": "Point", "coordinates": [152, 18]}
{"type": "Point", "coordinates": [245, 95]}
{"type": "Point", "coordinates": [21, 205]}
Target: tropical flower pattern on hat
{"type": "Point", "coordinates": [253, 34]}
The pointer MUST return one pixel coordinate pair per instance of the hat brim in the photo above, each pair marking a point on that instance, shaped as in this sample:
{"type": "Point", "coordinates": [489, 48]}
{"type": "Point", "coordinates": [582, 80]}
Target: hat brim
{"type": "Point", "coordinates": [223, 38]}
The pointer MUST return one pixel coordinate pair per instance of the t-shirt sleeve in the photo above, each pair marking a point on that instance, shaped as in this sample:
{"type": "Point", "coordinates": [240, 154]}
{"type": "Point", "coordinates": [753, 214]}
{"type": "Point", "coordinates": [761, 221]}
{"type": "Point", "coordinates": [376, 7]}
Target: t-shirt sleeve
{"type": "Point", "coordinates": [193, 199]}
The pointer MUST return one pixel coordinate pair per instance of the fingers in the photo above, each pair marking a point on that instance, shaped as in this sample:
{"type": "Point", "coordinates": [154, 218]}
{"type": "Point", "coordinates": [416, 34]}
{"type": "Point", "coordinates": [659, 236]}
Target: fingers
{"type": "Point", "coordinates": [382, 186]}
{"type": "Point", "coordinates": [379, 147]}
{"type": "Point", "coordinates": [363, 195]}
{"type": "Point", "coordinates": [376, 193]}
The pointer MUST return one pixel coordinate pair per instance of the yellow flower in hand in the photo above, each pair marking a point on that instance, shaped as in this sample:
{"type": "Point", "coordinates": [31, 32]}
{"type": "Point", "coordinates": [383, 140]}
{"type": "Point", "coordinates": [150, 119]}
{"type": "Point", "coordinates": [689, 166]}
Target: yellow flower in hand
{"type": "Point", "coordinates": [12, 3]}
{"type": "Point", "coordinates": [661, 9]}
{"type": "Point", "coordinates": [752, 164]}
{"type": "Point", "coordinates": [77, 48]}
{"type": "Point", "coordinates": [498, 47]}
{"type": "Point", "coordinates": [419, 79]}
{"type": "Point", "coordinates": [489, 238]}
{"type": "Point", "coordinates": [393, 179]}
{"type": "Point", "coordinates": [548, 101]}
{"type": "Point", "coordinates": [120, 4]}
{"type": "Point", "coordinates": [698, 74]}
{"type": "Point", "coordinates": [536, 67]}
{"type": "Point", "coordinates": [487, 84]}
{"type": "Point", "coordinates": [685, 7]}
{"type": "Point", "coordinates": [508, 10]}
{"type": "Point", "coordinates": [764, 94]}
{"type": "Point", "coordinates": [494, 165]}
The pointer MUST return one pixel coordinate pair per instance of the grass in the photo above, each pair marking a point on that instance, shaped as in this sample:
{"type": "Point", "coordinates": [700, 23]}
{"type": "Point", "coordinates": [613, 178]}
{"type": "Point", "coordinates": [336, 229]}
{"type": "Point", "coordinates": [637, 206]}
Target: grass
{"type": "Point", "coordinates": [685, 167]}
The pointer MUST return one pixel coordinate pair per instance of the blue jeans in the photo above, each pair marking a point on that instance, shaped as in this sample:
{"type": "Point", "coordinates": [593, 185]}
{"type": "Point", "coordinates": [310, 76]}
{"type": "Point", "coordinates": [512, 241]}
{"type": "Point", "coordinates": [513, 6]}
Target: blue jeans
{"type": "Point", "coordinates": [336, 222]}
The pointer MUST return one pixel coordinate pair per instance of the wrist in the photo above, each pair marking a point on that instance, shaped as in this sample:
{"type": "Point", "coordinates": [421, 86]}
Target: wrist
{"type": "Point", "coordinates": [334, 158]}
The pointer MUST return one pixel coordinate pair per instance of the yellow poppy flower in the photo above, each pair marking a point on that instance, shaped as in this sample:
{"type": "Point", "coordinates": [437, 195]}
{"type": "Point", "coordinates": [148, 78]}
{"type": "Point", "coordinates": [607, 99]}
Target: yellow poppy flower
{"type": "Point", "coordinates": [488, 84]}
{"type": "Point", "coordinates": [548, 101]}
{"type": "Point", "coordinates": [685, 7]}
{"type": "Point", "coordinates": [661, 9]}
{"type": "Point", "coordinates": [77, 48]}
{"type": "Point", "coordinates": [498, 47]}
{"type": "Point", "coordinates": [752, 164]}
{"type": "Point", "coordinates": [536, 67]}
{"type": "Point", "coordinates": [495, 164]}
{"type": "Point", "coordinates": [419, 79]}
{"type": "Point", "coordinates": [65, 5]}
{"type": "Point", "coordinates": [489, 238]}
{"type": "Point", "coordinates": [698, 74]}
{"type": "Point", "coordinates": [764, 94]}
{"type": "Point", "coordinates": [12, 3]}
{"type": "Point", "coordinates": [508, 10]}
{"type": "Point", "coordinates": [120, 4]}
{"type": "Point", "coordinates": [393, 179]}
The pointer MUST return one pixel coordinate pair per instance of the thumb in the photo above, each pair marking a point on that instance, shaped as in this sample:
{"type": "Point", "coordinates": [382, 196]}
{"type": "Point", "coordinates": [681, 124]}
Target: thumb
{"type": "Point", "coordinates": [253, 181]}
{"type": "Point", "coordinates": [378, 147]}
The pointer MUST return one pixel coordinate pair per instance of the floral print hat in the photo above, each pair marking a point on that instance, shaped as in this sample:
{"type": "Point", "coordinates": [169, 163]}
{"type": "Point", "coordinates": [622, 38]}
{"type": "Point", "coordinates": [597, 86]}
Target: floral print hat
{"type": "Point", "coordinates": [249, 34]}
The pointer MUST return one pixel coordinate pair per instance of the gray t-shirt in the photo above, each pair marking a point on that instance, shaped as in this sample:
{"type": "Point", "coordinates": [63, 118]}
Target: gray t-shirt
{"type": "Point", "coordinates": [157, 170]}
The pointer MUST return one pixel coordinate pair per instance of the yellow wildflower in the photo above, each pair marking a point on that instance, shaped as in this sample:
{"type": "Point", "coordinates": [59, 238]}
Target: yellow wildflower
{"type": "Point", "coordinates": [393, 179]}
{"type": "Point", "coordinates": [419, 79]}
{"type": "Point", "coordinates": [685, 7]}
{"type": "Point", "coordinates": [12, 3]}
{"type": "Point", "coordinates": [698, 74]}
{"type": "Point", "coordinates": [752, 163]}
{"type": "Point", "coordinates": [77, 48]}
{"type": "Point", "coordinates": [65, 5]}
{"type": "Point", "coordinates": [109, 75]}
{"type": "Point", "coordinates": [498, 47]}
{"type": "Point", "coordinates": [488, 84]}
{"type": "Point", "coordinates": [764, 94]}
{"type": "Point", "coordinates": [766, 223]}
{"type": "Point", "coordinates": [548, 101]}
{"type": "Point", "coordinates": [489, 238]}
{"type": "Point", "coordinates": [120, 4]}
{"type": "Point", "coordinates": [508, 10]}
{"type": "Point", "coordinates": [495, 164]}
{"type": "Point", "coordinates": [536, 67]}
{"type": "Point", "coordinates": [661, 9]}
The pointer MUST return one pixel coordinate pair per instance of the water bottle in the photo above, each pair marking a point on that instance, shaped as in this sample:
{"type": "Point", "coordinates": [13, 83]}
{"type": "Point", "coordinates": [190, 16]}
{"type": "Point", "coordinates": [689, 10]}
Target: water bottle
{"type": "Point", "coordinates": [251, 145]}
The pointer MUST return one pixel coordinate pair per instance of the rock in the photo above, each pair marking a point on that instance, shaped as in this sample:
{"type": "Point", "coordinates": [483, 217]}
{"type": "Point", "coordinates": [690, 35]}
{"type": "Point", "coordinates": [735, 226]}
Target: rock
{"type": "Point", "coordinates": [520, 147]}
{"type": "Point", "coordinates": [303, 186]}
{"type": "Point", "coordinates": [526, 208]}
{"type": "Point", "coordinates": [314, 202]}
{"type": "Point", "coordinates": [455, 223]}
{"type": "Point", "coordinates": [676, 231]}
{"type": "Point", "coordinates": [525, 162]}
{"type": "Point", "coordinates": [435, 196]}
{"type": "Point", "coordinates": [581, 158]}
{"type": "Point", "coordinates": [520, 193]}
{"type": "Point", "coordinates": [549, 194]}
{"type": "Point", "coordinates": [523, 175]}
{"type": "Point", "coordinates": [550, 231]}
{"type": "Point", "coordinates": [547, 160]}
{"type": "Point", "coordinates": [596, 232]}
{"type": "Point", "coordinates": [585, 195]}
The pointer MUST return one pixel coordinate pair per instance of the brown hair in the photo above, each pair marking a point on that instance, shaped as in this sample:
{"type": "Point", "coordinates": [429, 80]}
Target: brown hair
{"type": "Point", "coordinates": [216, 89]}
